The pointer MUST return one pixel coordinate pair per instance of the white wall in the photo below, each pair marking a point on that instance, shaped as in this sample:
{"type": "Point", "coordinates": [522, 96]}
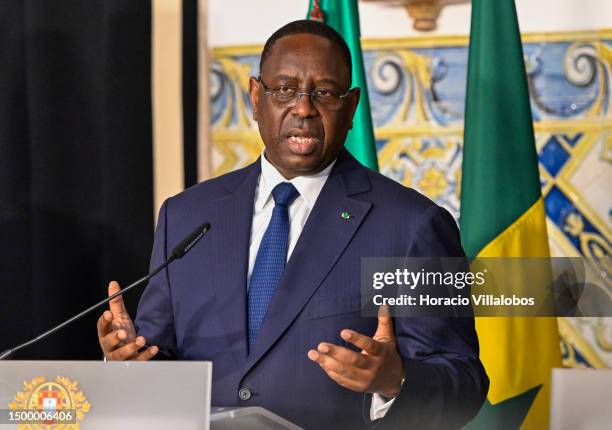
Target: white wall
{"type": "Point", "coordinates": [240, 22]}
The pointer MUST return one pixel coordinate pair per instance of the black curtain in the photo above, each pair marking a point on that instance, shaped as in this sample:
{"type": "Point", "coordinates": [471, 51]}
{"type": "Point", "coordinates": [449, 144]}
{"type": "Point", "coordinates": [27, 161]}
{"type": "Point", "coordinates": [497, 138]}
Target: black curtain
{"type": "Point", "coordinates": [76, 187]}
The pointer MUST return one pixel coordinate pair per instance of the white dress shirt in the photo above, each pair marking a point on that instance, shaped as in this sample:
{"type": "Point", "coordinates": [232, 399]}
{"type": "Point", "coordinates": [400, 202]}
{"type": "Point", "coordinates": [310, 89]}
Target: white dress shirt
{"type": "Point", "coordinates": [309, 188]}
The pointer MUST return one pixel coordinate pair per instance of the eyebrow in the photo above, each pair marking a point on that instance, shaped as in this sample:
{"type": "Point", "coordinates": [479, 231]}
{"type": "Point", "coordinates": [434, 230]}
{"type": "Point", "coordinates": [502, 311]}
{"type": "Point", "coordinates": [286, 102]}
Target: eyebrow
{"type": "Point", "coordinates": [326, 81]}
{"type": "Point", "coordinates": [329, 81]}
{"type": "Point", "coordinates": [285, 78]}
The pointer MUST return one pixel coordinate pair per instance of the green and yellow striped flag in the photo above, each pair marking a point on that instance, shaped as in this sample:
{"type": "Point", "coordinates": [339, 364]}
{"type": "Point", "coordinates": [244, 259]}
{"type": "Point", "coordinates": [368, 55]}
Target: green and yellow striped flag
{"type": "Point", "coordinates": [502, 215]}
{"type": "Point", "coordinates": [343, 16]}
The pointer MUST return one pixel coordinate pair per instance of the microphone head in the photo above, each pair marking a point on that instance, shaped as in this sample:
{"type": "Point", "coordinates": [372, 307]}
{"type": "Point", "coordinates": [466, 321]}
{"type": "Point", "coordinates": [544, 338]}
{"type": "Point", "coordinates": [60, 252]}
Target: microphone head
{"type": "Point", "coordinates": [190, 241]}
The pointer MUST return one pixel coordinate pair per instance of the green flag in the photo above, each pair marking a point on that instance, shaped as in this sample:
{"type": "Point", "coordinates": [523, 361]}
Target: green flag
{"type": "Point", "coordinates": [343, 16]}
{"type": "Point", "coordinates": [502, 215]}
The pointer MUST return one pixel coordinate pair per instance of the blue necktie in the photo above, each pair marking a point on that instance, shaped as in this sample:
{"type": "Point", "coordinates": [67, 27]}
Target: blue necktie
{"type": "Point", "coordinates": [271, 257]}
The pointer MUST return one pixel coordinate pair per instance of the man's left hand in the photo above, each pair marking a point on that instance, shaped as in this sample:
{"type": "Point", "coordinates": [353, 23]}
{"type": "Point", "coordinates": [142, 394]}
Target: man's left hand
{"type": "Point", "coordinates": [377, 369]}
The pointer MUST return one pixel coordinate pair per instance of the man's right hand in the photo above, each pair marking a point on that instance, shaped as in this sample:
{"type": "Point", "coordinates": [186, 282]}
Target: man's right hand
{"type": "Point", "coordinates": [117, 334]}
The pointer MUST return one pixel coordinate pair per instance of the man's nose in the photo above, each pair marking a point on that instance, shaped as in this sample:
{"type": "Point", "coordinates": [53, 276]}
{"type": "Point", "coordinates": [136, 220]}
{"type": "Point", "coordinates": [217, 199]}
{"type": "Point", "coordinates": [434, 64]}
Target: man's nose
{"type": "Point", "coordinates": [304, 106]}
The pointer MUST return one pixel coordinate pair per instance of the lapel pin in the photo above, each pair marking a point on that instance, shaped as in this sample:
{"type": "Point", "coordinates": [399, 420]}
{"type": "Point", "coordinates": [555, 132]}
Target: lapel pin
{"type": "Point", "coordinates": [345, 215]}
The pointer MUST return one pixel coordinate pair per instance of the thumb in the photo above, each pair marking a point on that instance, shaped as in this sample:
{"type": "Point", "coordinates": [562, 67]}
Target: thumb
{"type": "Point", "coordinates": [117, 306]}
{"type": "Point", "coordinates": [384, 330]}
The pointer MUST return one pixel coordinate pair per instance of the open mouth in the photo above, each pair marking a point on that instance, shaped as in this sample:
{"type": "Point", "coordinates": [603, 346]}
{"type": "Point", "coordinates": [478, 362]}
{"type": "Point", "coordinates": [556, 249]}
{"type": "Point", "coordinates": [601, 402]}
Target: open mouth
{"type": "Point", "coordinates": [302, 144]}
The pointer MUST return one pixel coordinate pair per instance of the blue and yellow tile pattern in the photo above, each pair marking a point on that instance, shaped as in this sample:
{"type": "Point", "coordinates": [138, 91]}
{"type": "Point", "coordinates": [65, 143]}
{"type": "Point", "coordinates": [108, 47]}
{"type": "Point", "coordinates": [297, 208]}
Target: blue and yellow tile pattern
{"type": "Point", "coordinates": [417, 92]}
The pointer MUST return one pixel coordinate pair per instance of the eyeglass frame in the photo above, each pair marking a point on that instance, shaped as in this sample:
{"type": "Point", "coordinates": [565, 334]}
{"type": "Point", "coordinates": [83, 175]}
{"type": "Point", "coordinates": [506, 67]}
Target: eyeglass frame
{"type": "Point", "coordinates": [313, 97]}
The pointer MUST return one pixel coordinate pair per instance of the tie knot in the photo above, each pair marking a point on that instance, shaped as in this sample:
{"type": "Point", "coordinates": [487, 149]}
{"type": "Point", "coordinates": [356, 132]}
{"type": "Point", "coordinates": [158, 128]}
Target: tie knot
{"type": "Point", "coordinates": [284, 193]}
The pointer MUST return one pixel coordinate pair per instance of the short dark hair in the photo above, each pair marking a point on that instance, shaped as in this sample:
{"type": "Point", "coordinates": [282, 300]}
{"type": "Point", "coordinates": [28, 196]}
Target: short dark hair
{"type": "Point", "coordinates": [307, 26]}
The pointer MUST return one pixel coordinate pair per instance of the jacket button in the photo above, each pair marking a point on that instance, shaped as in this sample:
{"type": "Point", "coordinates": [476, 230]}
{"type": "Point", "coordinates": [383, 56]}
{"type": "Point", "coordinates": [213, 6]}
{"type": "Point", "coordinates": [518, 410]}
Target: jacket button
{"type": "Point", "coordinates": [244, 394]}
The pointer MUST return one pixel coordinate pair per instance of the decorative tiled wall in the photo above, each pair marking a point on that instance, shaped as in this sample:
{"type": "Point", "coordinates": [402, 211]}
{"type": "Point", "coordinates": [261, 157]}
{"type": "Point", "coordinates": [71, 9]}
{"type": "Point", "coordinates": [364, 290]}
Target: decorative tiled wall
{"type": "Point", "coordinates": [417, 90]}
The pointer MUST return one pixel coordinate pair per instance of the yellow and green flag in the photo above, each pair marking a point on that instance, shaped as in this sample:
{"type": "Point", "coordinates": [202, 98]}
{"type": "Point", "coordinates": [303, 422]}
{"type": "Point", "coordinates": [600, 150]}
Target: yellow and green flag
{"type": "Point", "coordinates": [502, 215]}
{"type": "Point", "coordinates": [343, 16]}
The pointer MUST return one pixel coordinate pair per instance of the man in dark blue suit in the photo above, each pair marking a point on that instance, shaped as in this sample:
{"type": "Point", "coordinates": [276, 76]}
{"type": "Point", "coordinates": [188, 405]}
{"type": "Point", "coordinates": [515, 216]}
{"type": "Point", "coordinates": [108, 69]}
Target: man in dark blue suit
{"type": "Point", "coordinates": [272, 295]}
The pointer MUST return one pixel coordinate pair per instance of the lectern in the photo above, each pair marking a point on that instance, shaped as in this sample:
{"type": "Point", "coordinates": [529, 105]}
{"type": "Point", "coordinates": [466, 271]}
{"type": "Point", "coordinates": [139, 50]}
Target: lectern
{"type": "Point", "coordinates": [120, 395]}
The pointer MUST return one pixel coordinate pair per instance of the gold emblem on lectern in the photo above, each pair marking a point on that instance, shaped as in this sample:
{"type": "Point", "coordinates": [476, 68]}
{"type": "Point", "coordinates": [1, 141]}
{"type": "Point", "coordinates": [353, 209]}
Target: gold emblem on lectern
{"type": "Point", "coordinates": [49, 405]}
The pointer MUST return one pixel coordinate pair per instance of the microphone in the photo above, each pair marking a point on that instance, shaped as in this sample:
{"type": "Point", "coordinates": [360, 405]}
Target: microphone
{"type": "Point", "coordinates": [178, 252]}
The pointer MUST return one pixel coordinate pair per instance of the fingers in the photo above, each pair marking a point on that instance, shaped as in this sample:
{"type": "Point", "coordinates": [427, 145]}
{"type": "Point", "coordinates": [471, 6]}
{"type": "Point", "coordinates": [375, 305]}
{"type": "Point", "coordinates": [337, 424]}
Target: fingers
{"type": "Point", "coordinates": [147, 354]}
{"type": "Point", "coordinates": [116, 332]}
{"type": "Point", "coordinates": [384, 331]}
{"type": "Point", "coordinates": [131, 351]}
{"type": "Point", "coordinates": [377, 369]}
{"type": "Point", "coordinates": [104, 325]}
{"type": "Point", "coordinates": [384, 311]}
{"type": "Point", "coordinates": [117, 306]}
{"type": "Point", "coordinates": [128, 350]}
{"type": "Point", "coordinates": [113, 340]}
{"type": "Point", "coordinates": [363, 342]}
{"type": "Point", "coordinates": [333, 366]}
{"type": "Point", "coordinates": [344, 355]}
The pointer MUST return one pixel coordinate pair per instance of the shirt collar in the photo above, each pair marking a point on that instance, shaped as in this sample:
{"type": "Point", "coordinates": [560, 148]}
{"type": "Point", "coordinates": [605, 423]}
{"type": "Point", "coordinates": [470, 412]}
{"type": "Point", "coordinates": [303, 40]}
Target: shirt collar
{"type": "Point", "coordinates": [309, 186]}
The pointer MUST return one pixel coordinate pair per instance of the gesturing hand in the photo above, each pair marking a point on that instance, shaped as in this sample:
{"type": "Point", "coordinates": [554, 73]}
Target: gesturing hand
{"type": "Point", "coordinates": [377, 369]}
{"type": "Point", "coordinates": [117, 334]}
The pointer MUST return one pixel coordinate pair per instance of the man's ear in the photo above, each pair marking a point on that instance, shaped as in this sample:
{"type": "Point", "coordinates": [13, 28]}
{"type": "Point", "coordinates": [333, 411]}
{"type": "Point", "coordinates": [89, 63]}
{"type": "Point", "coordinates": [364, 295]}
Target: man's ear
{"type": "Point", "coordinates": [254, 95]}
{"type": "Point", "coordinates": [353, 102]}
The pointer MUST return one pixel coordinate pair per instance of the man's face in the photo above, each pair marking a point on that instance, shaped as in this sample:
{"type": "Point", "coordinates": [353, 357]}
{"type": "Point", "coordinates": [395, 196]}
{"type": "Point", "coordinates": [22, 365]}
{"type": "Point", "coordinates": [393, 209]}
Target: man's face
{"type": "Point", "coordinates": [303, 139]}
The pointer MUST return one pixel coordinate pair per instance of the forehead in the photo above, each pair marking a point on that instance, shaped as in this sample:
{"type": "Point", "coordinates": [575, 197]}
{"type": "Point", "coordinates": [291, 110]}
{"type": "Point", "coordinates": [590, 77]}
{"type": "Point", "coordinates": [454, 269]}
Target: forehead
{"type": "Point", "coordinates": [306, 56]}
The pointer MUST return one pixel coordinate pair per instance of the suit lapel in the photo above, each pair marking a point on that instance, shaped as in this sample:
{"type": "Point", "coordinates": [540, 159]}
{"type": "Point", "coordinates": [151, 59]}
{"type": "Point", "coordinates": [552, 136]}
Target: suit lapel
{"type": "Point", "coordinates": [322, 241]}
{"type": "Point", "coordinates": [232, 228]}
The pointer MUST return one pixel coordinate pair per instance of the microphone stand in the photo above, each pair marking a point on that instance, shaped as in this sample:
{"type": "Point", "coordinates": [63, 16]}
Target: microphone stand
{"type": "Point", "coordinates": [179, 251]}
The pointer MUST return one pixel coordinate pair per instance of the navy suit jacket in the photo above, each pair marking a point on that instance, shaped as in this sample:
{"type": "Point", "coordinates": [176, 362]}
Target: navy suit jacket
{"type": "Point", "coordinates": [196, 309]}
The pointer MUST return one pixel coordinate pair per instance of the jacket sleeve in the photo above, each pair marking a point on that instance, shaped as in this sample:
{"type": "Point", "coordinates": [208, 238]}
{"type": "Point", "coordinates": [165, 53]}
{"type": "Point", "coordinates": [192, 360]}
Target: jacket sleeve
{"type": "Point", "coordinates": [445, 383]}
{"type": "Point", "coordinates": [154, 318]}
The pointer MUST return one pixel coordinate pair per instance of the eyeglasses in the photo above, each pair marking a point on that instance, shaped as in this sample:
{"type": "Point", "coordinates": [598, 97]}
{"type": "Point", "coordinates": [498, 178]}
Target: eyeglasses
{"type": "Point", "coordinates": [288, 96]}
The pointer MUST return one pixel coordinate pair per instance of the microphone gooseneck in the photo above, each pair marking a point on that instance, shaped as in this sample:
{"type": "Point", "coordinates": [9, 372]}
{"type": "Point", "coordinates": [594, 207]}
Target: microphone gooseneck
{"type": "Point", "coordinates": [179, 251]}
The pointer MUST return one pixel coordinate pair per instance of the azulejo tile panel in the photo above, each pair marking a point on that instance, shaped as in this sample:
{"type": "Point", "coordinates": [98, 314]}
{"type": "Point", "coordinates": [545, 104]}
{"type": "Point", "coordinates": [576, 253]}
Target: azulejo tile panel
{"type": "Point", "coordinates": [417, 92]}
